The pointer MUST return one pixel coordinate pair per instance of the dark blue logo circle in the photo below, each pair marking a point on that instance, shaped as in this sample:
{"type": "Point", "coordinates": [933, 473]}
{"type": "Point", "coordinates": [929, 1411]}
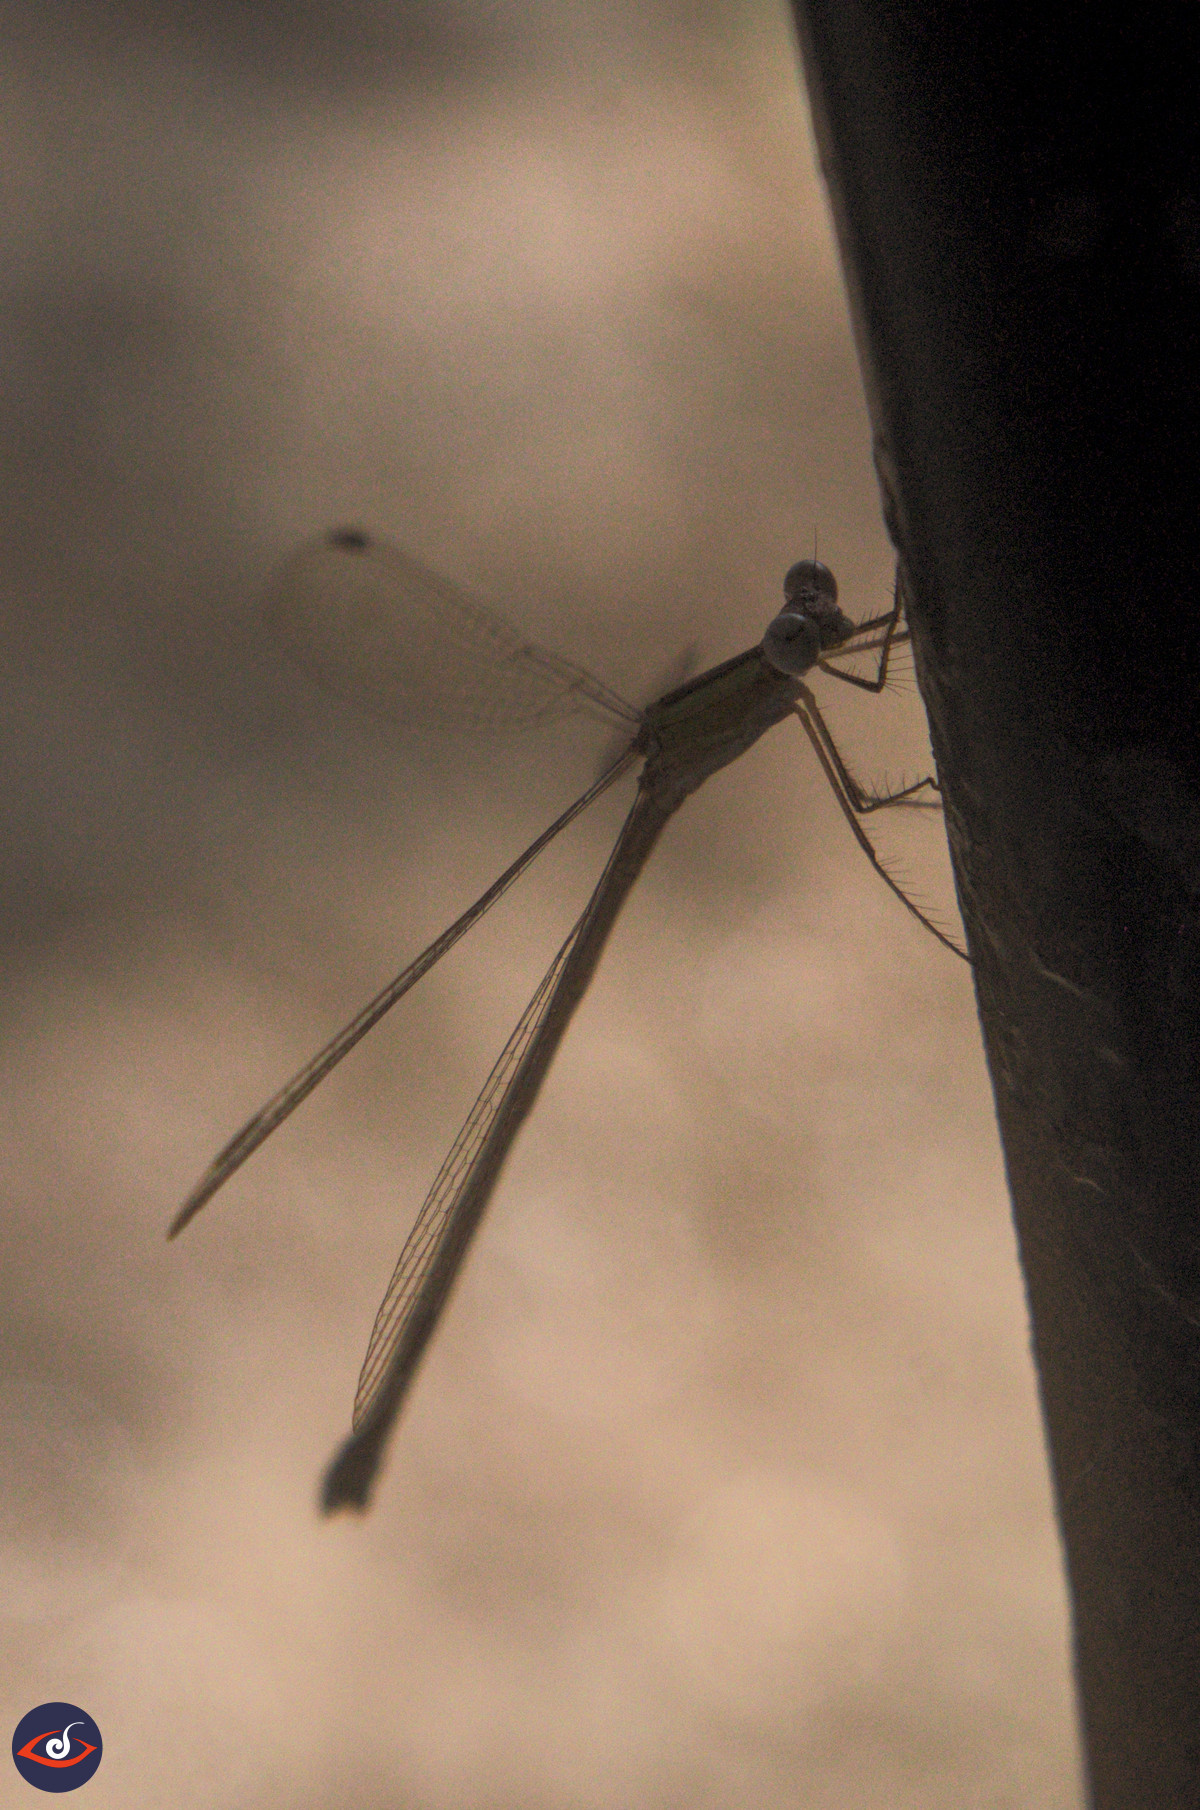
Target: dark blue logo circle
{"type": "Point", "coordinates": [56, 1747]}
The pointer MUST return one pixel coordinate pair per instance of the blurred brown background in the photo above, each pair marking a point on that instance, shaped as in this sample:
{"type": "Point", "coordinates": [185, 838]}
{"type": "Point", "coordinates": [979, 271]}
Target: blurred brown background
{"type": "Point", "coordinates": [723, 1484]}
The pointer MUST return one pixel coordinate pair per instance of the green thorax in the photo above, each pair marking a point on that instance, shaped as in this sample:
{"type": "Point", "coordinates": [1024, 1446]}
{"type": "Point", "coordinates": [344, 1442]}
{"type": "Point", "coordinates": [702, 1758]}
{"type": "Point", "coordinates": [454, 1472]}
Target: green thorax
{"type": "Point", "coordinates": [699, 728]}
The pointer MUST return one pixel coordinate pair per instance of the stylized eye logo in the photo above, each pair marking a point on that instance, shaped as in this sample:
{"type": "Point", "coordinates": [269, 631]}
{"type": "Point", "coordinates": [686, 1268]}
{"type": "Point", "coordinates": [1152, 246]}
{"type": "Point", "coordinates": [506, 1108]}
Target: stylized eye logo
{"type": "Point", "coordinates": [57, 1747]}
{"type": "Point", "coordinates": [57, 1751]}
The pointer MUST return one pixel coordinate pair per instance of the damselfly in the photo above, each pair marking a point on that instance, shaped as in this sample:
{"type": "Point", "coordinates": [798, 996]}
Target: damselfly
{"type": "Point", "coordinates": [348, 604]}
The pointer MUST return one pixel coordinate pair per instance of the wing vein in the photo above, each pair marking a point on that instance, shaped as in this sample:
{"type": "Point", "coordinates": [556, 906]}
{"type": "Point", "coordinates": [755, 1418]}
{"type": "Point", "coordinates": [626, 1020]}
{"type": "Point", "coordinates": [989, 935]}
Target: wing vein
{"type": "Point", "coordinates": [435, 1223]}
{"type": "Point", "coordinates": [257, 1129]}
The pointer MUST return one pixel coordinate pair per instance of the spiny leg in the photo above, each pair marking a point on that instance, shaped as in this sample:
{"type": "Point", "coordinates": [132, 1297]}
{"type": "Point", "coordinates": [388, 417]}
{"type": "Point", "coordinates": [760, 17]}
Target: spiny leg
{"type": "Point", "coordinates": [892, 634]}
{"type": "Point", "coordinates": [848, 786]}
{"type": "Point", "coordinates": [834, 769]}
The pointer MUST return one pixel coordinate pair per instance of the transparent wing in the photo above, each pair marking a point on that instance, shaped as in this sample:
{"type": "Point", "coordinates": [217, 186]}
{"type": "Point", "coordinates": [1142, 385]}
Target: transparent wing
{"type": "Point", "coordinates": [434, 1250]}
{"type": "Point", "coordinates": [285, 1102]}
{"type": "Point", "coordinates": [435, 1226]}
{"type": "Point", "coordinates": [373, 625]}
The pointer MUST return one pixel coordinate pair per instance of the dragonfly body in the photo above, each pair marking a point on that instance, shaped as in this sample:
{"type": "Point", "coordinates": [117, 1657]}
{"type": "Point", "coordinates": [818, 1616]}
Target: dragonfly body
{"type": "Point", "coordinates": [704, 725]}
{"type": "Point", "coordinates": [686, 737]}
{"type": "Point", "coordinates": [681, 740]}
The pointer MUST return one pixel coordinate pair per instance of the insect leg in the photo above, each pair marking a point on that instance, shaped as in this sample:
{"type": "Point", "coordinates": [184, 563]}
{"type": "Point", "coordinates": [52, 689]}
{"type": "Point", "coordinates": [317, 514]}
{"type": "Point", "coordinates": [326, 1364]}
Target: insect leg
{"type": "Point", "coordinates": [852, 801]}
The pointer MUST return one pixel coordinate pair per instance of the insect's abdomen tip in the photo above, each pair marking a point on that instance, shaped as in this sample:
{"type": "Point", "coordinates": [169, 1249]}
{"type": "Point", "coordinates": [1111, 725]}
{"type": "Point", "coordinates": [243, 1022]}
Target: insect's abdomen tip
{"type": "Point", "coordinates": [347, 1482]}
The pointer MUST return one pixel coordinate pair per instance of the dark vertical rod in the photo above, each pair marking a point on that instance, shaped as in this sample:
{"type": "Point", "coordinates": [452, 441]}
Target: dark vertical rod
{"type": "Point", "coordinates": [1017, 196]}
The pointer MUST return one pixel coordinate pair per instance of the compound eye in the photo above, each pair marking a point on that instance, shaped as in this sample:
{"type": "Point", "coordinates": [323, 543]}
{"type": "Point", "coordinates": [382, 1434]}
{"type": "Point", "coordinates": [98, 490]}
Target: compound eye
{"type": "Point", "coordinates": [809, 583]}
{"type": "Point", "coordinates": [792, 643]}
